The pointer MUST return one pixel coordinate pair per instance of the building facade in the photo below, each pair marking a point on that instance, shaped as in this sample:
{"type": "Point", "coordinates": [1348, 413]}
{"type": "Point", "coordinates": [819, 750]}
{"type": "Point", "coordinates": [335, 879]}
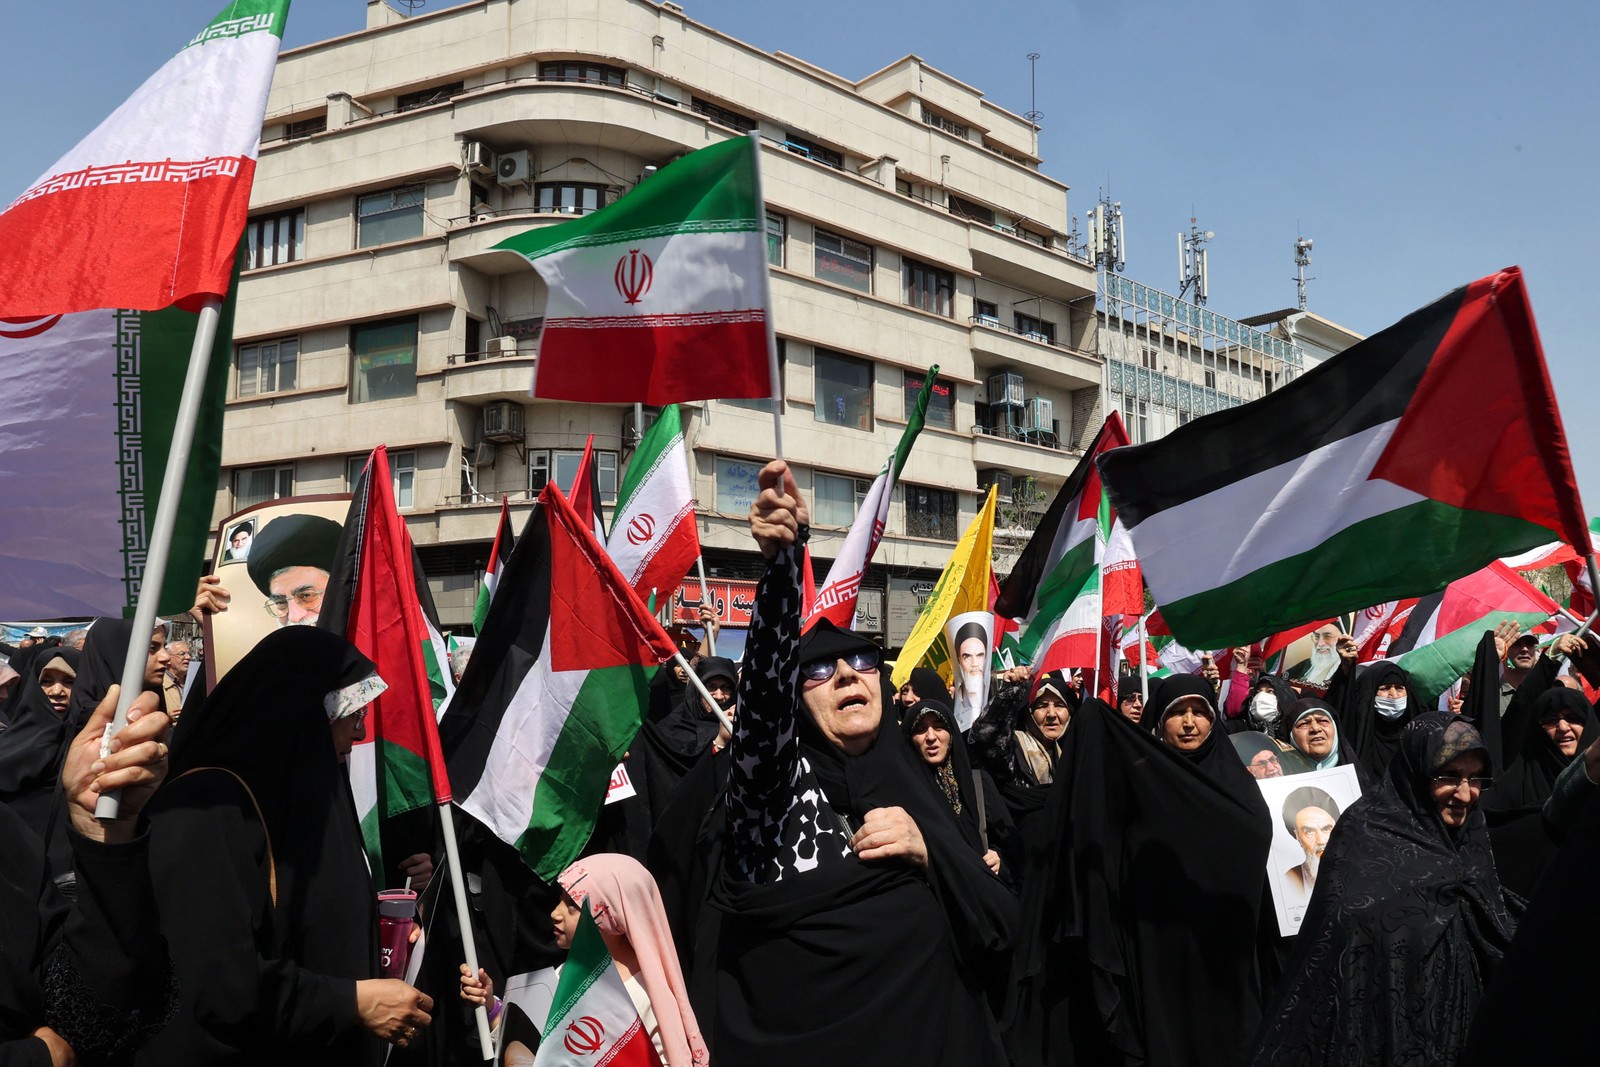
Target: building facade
{"type": "Point", "coordinates": [909, 224]}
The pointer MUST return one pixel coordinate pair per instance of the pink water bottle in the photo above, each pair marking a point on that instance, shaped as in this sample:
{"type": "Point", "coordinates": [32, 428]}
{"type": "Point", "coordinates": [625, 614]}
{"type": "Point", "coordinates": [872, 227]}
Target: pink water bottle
{"type": "Point", "coordinates": [397, 908]}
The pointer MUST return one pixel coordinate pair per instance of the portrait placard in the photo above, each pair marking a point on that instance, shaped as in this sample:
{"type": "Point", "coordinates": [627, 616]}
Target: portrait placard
{"type": "Point", "coordinates": [1304, 808]}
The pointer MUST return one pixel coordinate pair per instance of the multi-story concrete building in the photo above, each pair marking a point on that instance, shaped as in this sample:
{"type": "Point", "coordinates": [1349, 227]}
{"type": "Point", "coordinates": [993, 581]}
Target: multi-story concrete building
{"type": "Point", "coordinates": [909, 224]}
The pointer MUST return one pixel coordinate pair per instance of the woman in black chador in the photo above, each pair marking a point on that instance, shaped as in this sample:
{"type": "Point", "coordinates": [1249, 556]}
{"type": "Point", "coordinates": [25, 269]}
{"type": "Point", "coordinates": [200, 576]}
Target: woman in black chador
{"type": "Point", "coordinates": [1407, 920]}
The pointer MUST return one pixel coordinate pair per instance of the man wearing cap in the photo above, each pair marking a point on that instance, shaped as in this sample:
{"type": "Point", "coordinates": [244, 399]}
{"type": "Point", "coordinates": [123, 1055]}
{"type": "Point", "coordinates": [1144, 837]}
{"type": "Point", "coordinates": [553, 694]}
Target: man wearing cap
{"type": "Point", "coordinates": [289, 561]}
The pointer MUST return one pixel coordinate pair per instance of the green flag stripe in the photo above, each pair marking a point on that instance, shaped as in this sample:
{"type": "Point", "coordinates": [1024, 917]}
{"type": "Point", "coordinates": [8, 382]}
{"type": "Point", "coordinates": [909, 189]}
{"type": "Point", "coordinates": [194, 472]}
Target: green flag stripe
{"type": "Point", "coordinates": [1435, 666]}
{"type": "Point", "coordinates": [919, 415]}
{"type": "Point", "coordinates": [403, 779]}
{"type": "Point", "coordinates": [242, 17]}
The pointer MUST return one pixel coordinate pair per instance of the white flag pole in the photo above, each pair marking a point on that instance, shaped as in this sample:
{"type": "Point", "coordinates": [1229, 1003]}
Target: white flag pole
{"type": "Point", "coordinates": [694, 680]}
{"type": "Point", "coordinates": [160, 544]}
{"type": "Point", "coordinates": [1144, 664]}
{"type": "Point", "coordinates": [469, 944]}
{"type": "Point", "coordinates": [766, 303]}
{"type": "Point", "coordinates": [705, 595]}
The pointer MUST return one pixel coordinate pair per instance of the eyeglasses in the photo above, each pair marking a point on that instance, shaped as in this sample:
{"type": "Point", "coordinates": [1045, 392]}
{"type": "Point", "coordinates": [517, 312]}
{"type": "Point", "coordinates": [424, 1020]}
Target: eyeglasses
{"type": "Point", "coordinates": [862, 659]}
{"type": "Point", "coordinates": [1453, 782]}
{"type": "Point", "coordinates": [307, 598]}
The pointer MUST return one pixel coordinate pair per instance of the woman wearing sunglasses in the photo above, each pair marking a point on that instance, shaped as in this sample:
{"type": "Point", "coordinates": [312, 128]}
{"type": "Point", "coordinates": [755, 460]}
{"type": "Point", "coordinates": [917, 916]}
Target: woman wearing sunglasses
{"type": "Point", "coordinates": [858, 925]}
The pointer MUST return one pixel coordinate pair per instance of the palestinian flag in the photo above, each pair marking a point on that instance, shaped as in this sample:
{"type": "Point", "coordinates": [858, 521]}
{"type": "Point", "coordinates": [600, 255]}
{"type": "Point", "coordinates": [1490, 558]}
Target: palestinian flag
{"type": "Point", "coordinates": [592, 1018]}
{"type": "Point", "coordinates": [1441, 637]}
{"type": "Point", "coordinates": [836, 600]}
{"type": "Point", "coordinates": [375, 600]}
{"type": "Point", "coordinates": [557, 690]}
{"type": "Point", "coordinates": [91, 400]}
{"type": "Point", "coordinates": [1397, 466]}
{"type": "Point", "coordinates": [1055, 586]}
{"type": "Point", "coordinates": [585, 497]}
{"type": "Point", "coordinates": [666, 289]}
{"type": "Point", "coordinates": [653, 537]}
{"type": "Point", "coordinates": [1551, 555]}
{"type": "Point", "coordinates": [146, 211]}
{"type": "Point", "coordinates": [499, 550]}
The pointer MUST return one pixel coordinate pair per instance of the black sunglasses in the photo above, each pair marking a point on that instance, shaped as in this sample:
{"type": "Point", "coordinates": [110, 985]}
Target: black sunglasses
{"type": "Point", "coordinates": [862, 659]}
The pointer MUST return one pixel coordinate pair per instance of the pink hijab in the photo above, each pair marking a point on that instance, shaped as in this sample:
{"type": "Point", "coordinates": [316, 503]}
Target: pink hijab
{"type": "Point", "coordinates": [625, 902]}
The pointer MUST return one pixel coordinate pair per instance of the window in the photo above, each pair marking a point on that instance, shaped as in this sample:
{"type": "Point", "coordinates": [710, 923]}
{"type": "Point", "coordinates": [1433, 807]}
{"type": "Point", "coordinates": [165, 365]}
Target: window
{"type": "Point", "coordinates": [777, 229]}
{"type": "Point", "coordinates": [843, 262]}
{"type": "Point", "coordinates": [943, 122]}
{"type": "Point", "coordinates": [986, 312]}
{"type": "Point", "coordinates": [268, 366]}
{"type": "Point", "coordinates": [274, 239]}
{"type": "Point", "coordinates": [844, 390]}
{"type": "Point", "coordinates": [941, 401]}
{"type": "Point", "coordinates": [424, 97]}
{"type": "Point", "coordinates": [569, 198]}
{"type": "Point", "coordinates": [1150, 358]}
{"type": "Point", "coordinates": [1211, 379]}
{"type": "Point", "coordinates": [385, 360]}
{"type": "Point", "coordinates": [393, 215]}
{"type": "Point", "coordinates": [806, 147]}
{"type": "Point", "coordinates": [836, 499]}
{"type": "Point", "coordinates": [402, 473]}
{"type": "Point", "coordinates": [564, 462]}
{"type": "Point", "coordinates": [903, 187]}
{"type": "Point", "coordinates": [929, 288]}
{"type": "Point", "coordinates": [1037, 329]}
{"type": "Point", "coordinates": [718, 113]}
{"type": "Point", "coordinates": [257, 485]}
{"type": "Point", "coordinates": [306, 127]}
{"type": "Point", "coordinates": [963, 208]}
{"type": "Point", "coordinates": [737, 486]}
{"type": "Point", "coordinates": [1139, 423]}
{"type": "Point", "coordinates": [930, 513]}
{"type": "Point", "coordinates": [574, 70]}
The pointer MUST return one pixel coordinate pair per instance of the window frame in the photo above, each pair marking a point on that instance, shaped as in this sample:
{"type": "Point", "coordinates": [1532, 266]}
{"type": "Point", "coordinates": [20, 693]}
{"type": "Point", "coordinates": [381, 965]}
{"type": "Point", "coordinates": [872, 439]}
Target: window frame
{"type": "Point", "coordinates": [402, 475]}
{"type": "Point", "coordinates": [283, 484]}
{"type": "Point", "coordinates": [918, 521]}
{"type": "Point", "coordinates": [359, 384]}
{"type": "Point", "coordinates": [258, 370]}
{"type": "Point", "coordinates": [923, 284]}
{"type": "Point", "coordinates": [433, 94]}
{"type": "Point", "coordinates": [821, 410]}
{"type": "Point", "coordinates": [822, 510]}
{"type": "Point", "coordinates": [589, 73]}
{"type": "Point", "coordinates": [781, 244]}
{"type": "Point", "coordinates": [599, 190]}
{"type": "Point", "coordinates": [392, 212]}
{"type": "Point", "coordinates": [549, 461]}
{"type": "Point", "coordinates": [722, 115]}
{"type": "Point", "coordinates": [257, 246]}
{"type": "Point", "coordinates": [1041, 330]}
{"type": "Point", "coordinates": [936, 403]}
{"type": "Point", "coordinates": [844, 256]}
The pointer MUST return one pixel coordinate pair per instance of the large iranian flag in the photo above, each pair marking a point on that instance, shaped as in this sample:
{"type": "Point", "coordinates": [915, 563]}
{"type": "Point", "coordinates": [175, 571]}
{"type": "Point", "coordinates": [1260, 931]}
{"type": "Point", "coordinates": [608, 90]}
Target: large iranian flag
{"type": "Point", "coordinates": [661, 296]}
{"type": "Point", "coordinates": [653, 537]}
{"type": "Point", "coordinates": [836, 599]}
{"type": "Point", "coordinates": [146, 211]}
{"type": "Point", "coordinates": [1397, 466]}
{"type": "Point", "coordinates": [593, 1021]}
{"type": "Point", "coordinates": [554, 692]}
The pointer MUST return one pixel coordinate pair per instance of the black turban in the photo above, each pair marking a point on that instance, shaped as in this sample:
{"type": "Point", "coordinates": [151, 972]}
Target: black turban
{"type": "Point", "coordinates": [292, 541]}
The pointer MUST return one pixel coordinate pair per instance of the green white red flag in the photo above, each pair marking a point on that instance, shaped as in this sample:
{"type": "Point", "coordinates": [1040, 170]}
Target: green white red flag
{"type": "Point", "coordinates": [666, 289]}
{"type": "Point", "coordinates": [499, 550]}
{"type": "Point", "coordinates": [592, 1019]}
{"type": "Point", "coordinates": [1412, 458]}
{"type": "Point", "coordinates": [653, 537]}
{"type": "Point", "coordinates": [146, 211]}
{"type": "Point", "coordinates": [555, 690]}
{"type": "Point", "coordinates": [379, 601]}
{"type": "Point", "coordinates": [836, 599]}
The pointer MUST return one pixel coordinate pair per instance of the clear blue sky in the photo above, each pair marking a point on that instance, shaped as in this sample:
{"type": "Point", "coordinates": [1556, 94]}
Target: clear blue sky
{"type": "Point", "coordinates": [1421, 145]}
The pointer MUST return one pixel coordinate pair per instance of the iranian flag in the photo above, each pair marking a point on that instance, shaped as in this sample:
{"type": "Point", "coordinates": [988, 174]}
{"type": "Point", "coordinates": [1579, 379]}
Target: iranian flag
{"type": "Point", "coordinates": [1377, 627]}
{"type": "Point", "coordinates": [146, 211]}
{"type": "Point", "coordinates": [557, 686]}
{"type": "Point", "coordinates": [378, 600]}
{"type": "Point", "coordinates": [91, 400]}
{"type": "Point", "coordinates": [1578, 571]}
{"type": "Point", "coordinates": [836, 599]}
{"type": "Point", "coordinates": [1055, 586]}
{"type": "Point", "coordinates": [653, 537]}
{"type": "Point", "coordinates": [499, 550]}
{"type": "Point", "coordinates": [1441, 637]}
{"type": "Point", "coordinates": [1406, 461]}
{"type": "Point", "coordinates": [592, 1019]}
{"type": "Point", "coordinates": [661, 296]}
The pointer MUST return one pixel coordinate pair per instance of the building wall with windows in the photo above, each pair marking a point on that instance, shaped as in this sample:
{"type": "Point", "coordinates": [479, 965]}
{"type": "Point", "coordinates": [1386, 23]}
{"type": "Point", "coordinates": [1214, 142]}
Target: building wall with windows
{"type": "Point", "coordinates": [909, 225]}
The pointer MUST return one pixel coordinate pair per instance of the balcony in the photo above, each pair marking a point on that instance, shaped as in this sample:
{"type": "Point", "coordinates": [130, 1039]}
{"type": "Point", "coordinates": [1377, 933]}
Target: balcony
{"type": "Point", "coordinates": [528, 111]}
{"type": "Point", "coordinates": [1015, 261]}
{"type": "Point", "coordinates": [1039, 455]}
{"type": "Point", "coordinates": [996, 345]}
{"type": "Point", "coordinates": [480, 381]}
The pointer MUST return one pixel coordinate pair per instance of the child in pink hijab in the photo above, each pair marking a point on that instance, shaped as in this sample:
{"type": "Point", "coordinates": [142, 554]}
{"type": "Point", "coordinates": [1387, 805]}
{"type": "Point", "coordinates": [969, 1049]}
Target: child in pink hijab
{"type": "Point", "coordinates": [627, 909]}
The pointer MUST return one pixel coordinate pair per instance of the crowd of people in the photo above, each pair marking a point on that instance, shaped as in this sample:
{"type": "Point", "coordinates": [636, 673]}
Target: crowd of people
{"type": "Point", "coordinates": [1081, 877]}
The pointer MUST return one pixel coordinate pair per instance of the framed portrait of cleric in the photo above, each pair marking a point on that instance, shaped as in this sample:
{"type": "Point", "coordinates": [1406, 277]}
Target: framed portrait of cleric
{"type": "Point", "coordinates": [1304, 809]}
{"type": "Point", "coordinates": [273, 559]}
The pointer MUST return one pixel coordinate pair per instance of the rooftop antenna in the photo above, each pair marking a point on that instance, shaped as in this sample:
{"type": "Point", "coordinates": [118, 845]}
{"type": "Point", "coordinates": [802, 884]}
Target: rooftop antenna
{"type": "Point", "coordinates": [1302, 260]}
{"type": "Point", "coordinates": [1192, 262]}
{"type": "Point", "coordinates": [411, 6]}
{"type": "Point", "coordinates": [1034, 114]}
{"type": "Point", "coordinates": [1108, 244]}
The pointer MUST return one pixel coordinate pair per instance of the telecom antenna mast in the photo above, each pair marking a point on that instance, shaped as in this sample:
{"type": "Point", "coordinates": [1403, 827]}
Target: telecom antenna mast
{"type": "Point", "coordinates": [1108, 243]}
{"type": "Point", "coordinates": [1034, 114]}
{"type": "Point", "coordinates": [1193, 276]}
{"type": "Point", "coordinates": [1302, 260]}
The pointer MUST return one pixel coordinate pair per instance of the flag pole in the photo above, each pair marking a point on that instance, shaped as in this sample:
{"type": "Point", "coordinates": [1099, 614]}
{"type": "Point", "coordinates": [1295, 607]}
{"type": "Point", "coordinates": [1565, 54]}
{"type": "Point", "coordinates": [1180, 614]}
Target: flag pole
{"type": "Point", "coordinates": [705, 595]}
{"type": "Point", "coordinates": [1144, 663]}
{"type": "Point", "coordinates": [469, 943]}
{"type": "Point", "coordinates": [160, 543]}
{"type": "Point", "coordinates": [766, 304]}
{"type": "Point", "coordinates": [1594, 583]}
{"type": "Point", "coordinates": [694, 680]}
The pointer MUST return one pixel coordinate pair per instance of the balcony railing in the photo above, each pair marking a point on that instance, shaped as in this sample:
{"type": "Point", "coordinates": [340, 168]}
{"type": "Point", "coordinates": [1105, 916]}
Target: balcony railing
{"type": "Point", "coordinates": [1042, 438]}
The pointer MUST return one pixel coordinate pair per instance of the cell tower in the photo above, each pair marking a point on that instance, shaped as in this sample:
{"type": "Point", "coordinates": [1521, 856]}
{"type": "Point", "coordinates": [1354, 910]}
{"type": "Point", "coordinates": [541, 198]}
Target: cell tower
{"type": "Point", "coordinates": [1193, 276]}
{"type": "Point", "coordinates": [1108, 244]}
{"type": "Point", "coordinates": [1302, 260]}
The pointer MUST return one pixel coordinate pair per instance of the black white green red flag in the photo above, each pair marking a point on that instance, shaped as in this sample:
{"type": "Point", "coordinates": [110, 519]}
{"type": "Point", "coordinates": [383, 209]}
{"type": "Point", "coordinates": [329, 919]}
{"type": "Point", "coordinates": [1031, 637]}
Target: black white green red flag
{"type": "Point", "coordinates": [1406, 461]}
{"type": "Point", "coordinates": [499, 552]}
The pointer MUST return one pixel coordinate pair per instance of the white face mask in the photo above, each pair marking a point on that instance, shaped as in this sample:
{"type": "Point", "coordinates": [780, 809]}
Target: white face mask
{"type": "Point", "coordinates": [1391, 707]}
{"type": "Point", "coordinates": [1264, 708]}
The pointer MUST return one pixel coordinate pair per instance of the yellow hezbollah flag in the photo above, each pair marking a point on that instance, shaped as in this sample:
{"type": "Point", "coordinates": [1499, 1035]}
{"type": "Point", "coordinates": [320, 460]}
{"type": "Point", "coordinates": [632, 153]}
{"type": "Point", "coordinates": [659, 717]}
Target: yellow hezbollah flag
{"type": "Point", "coordinates": [963, 587]}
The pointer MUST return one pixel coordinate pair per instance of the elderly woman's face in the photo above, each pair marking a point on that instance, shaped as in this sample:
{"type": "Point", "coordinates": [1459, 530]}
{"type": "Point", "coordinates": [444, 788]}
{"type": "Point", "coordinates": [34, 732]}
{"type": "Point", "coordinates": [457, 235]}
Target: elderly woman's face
{"type": "Point", "coordinates": [1188, 725]}
{"type": "Point", "coordinates": [1051, 715]}
{"type": "Point", "coordinates": [932, 739]}
{"type": "Point", "coordinates": [845, 707]}
{"type": "Point", "coordinates": [1456, 787]}
{"type": "Point", "coordinates": [1565, 728]}
{"type": "Point", "coordinates": [1313, 735]}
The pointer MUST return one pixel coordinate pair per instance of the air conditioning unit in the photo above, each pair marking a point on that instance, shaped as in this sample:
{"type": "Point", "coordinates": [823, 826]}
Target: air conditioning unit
{"type": "Point", "coordinates": [502, 421]}
{"type": "Point", "coordinates": [480, 158]}
{"type": "Point", "coordinates": [1005, 388]}
{"type": "Point", "coordinates": [1038, 415]}
{"type": "Point", "coordinates": [514, 168]}
{"type": "Point", "coordinates": [502, 346]}
{"type": "Point", "coordinates": [997, 477]}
